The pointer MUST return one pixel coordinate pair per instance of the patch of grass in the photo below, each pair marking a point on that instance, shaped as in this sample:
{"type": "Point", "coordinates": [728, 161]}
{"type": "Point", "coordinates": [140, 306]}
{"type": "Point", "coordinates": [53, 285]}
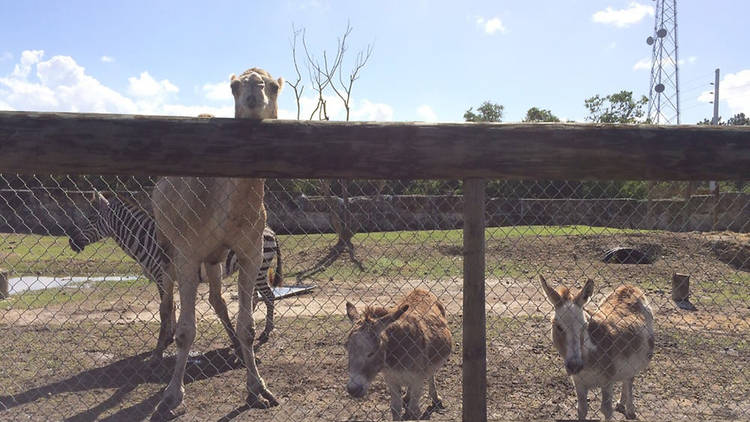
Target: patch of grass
{"type": "Point", "coordinates": [429, 253]}
{"type": "Point", "coordinates": [22, 254]}
{"type": "Point", "coordinates": [36, 299]}
{"type": "Point", "coordinates": [456, 236]}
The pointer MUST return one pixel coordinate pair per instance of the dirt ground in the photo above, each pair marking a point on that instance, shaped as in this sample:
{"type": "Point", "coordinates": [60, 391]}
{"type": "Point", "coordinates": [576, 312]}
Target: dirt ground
{"type": "Point", "coordinates": [86, 361]}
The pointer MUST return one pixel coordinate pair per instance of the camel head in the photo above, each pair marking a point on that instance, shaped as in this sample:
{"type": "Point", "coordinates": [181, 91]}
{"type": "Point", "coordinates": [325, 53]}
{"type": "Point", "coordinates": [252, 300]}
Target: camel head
{"type": "Point", "coordinates": [256, 94]}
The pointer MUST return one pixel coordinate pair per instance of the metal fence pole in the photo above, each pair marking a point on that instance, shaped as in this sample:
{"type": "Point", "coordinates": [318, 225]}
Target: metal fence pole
{"type": "Point", "coordinates": [474, 323]}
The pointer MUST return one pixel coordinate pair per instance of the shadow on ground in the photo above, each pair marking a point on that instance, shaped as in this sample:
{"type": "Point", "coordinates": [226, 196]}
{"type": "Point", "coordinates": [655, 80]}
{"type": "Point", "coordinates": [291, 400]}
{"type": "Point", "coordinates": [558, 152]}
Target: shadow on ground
{"type": "Point", "coordinates": [125, 375]}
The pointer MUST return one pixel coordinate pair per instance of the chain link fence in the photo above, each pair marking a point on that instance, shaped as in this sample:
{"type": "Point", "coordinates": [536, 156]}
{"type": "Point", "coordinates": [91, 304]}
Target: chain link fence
{"type": "Point", "coordinates": [77, 329]}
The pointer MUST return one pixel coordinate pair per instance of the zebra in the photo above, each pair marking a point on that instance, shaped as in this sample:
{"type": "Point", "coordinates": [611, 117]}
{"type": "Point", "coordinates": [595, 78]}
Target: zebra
{"type": "Point", "coordinates": [134, 230]}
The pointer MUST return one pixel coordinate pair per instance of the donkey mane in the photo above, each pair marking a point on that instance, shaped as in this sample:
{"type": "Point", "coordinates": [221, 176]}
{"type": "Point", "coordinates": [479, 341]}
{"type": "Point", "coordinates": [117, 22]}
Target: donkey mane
{"type": "Point", "coordinates": [565, 294]}
{"type": "Point", "coordinates": [373, 312]}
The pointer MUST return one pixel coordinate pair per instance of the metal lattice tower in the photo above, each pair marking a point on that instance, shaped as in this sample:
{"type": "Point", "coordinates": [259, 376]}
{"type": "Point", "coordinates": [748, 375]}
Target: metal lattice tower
{"type": "Point", "coordinates": [664, 90]}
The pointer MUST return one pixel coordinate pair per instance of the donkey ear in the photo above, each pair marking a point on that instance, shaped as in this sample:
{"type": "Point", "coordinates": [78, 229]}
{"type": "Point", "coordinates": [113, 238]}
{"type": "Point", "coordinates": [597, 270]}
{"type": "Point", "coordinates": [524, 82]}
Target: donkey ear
{"type": "Point", "coordinates": [390, 318]}
{"type": "Point", "coordinates": [552, 295]}
{"type": "Point", "coordinates": [351, 312]}
{"type": "Point", "coordinates": [585, 293]}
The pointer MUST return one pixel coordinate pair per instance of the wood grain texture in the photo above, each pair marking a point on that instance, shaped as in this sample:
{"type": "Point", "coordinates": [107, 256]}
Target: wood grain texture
{"type": "Point", "coordinates": [71, 143]}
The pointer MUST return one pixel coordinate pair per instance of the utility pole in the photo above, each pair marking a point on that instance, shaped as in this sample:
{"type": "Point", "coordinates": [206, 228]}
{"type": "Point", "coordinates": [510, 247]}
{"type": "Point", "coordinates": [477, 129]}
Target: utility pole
{"type": "Point", "coordinates": [715, 120]}
{"type": "Point", "coordinates": [712, 185]}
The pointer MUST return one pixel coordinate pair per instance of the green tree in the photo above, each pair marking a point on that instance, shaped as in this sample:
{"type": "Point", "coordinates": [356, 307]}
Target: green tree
{"type": "Point", "coordinates": [739, 120]}
{"type": "Point", "coordinates": [540, 115]}
{"type": "Point", "coordinates": [487, 112]}
{"type": "Point", "coordinates": [616, 108]}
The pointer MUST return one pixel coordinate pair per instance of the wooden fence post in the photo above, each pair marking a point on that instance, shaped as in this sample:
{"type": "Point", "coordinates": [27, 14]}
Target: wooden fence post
{"type": "Point", "coordinates": [474, 322]}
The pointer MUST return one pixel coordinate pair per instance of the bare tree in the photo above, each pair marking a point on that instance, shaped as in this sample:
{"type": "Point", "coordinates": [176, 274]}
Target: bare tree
{"type": "Point", "coordinates": [326, 73]}
{"type": "Point", "coordinates": [298, 89]}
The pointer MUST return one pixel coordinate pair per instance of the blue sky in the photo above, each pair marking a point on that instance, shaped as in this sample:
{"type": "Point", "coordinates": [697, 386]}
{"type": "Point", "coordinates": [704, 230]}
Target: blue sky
{"type": "Point", "coordinates": [432, 59]}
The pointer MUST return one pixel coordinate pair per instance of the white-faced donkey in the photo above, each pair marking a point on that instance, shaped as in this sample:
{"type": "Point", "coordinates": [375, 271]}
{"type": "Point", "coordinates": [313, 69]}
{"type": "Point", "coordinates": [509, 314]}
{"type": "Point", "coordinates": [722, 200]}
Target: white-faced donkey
{"type": "Point", "coordinates": [408, 343]}
{"type": "Point", "coordinates": [611, 345]}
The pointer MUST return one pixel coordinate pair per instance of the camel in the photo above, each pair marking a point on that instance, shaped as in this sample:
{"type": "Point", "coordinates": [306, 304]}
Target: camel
{"type": "Point", "coordinates": [198, 221]}
{"type": "Point", "coordinates": [612, 345]}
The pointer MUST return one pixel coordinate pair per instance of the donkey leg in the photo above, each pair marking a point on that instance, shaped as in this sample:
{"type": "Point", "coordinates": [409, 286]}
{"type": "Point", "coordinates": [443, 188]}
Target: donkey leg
{"type": "Point", "coordinates": [166, 319]}
{"type": "Point", "coordinates": [437, 402]}
{"type": "Point", "coordinates": [607, 402]}
{"type": "Point", "coordinates": [397, 402]}
{"type": "Point", "coordinates": [626, 406]}
{"type": "Point", "coordinates": [213, 274]}
{"type": "Point", "coordinates": [258, 395]}
{"type": "Point", "coordinates": [414, 392]}
{"type": "Point", "coordinates": [582, 393]}
{"type": "Point", "coordinates": [184, 337]}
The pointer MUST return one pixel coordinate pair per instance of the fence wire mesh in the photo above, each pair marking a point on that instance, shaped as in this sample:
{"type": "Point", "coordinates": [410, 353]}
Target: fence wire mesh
{"type": "Point", "coordinates": [77, 329]}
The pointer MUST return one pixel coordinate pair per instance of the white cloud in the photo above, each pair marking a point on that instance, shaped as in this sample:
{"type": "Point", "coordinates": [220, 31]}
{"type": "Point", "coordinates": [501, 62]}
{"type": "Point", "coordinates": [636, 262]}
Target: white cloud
{"type": "Point", "coordinates": [734, 89]}
{"type": "Point", "coordinates": [426, 113]}
{"type": "Point", "coordinates": [490, 26]}
{"type": "Point", "coordinates": [145, 86]}
{"type": "Point", "coordinates": [107, 59]}
{"type": "Point", "coordinates": [644, 63]}
{"type": "Point", "coordinates": [634, 13]}
{"type": "Point", "coordinates": [313, 4]}
{"type": "Point", "coordinates": [219, 91]}
{"type": "Point", "coordinates": [5, 106]}
{"type": "Point", "coordinates": [372, 112]}
{"type": "Point", "coordinates": [61, 84]}
{"type": "Point", "coordinates": [364, 110]}
{"type": "Point", "coordinates": [28, 59]}
{"type": "Point", "coordinates": [611, 46]}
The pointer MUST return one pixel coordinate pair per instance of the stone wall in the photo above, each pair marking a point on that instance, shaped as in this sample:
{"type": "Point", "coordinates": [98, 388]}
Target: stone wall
{"type": "Point", "coordinates": [53, 212]}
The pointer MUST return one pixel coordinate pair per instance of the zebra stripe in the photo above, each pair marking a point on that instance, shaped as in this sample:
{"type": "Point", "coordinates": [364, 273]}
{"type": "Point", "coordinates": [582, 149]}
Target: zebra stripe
{"type": "Point", "coordinates": [134, 230]}
{"type": "Point", "coordinates": [270, 250]}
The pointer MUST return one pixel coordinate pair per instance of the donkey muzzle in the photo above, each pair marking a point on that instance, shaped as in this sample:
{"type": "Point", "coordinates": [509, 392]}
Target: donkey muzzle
{"type": "Point", "coordinates": [356, 390]}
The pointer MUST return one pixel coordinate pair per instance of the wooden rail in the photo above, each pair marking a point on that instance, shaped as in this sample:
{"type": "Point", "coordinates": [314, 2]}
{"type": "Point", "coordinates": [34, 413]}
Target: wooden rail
{"type": "Point", "coordinates": [68, 143]}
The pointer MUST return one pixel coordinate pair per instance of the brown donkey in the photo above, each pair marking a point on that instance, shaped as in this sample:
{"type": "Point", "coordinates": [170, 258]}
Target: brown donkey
{"type": "Point", "coordinates": [408, 343]}
{"type": "Point", "coordinates": [612, 345]}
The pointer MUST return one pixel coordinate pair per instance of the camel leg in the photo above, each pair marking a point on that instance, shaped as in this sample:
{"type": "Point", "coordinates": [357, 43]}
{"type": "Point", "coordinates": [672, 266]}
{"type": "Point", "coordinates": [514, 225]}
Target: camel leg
{"type": "Point", "coordinates": [267, 295]}
{"type": "Point", "coordinates": [213, 275]}
{"type": "Point", "coordinates": [166, 317]}
{"type": "Point", "coordinates": [258, 395]}
{"type": "Point", "coordinates": [184, 337]}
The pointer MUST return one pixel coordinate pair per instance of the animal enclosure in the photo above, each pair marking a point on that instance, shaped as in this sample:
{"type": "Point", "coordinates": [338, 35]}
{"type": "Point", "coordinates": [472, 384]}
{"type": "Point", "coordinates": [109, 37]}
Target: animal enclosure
{"type": "Point", "coordinates": [78, 329]}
